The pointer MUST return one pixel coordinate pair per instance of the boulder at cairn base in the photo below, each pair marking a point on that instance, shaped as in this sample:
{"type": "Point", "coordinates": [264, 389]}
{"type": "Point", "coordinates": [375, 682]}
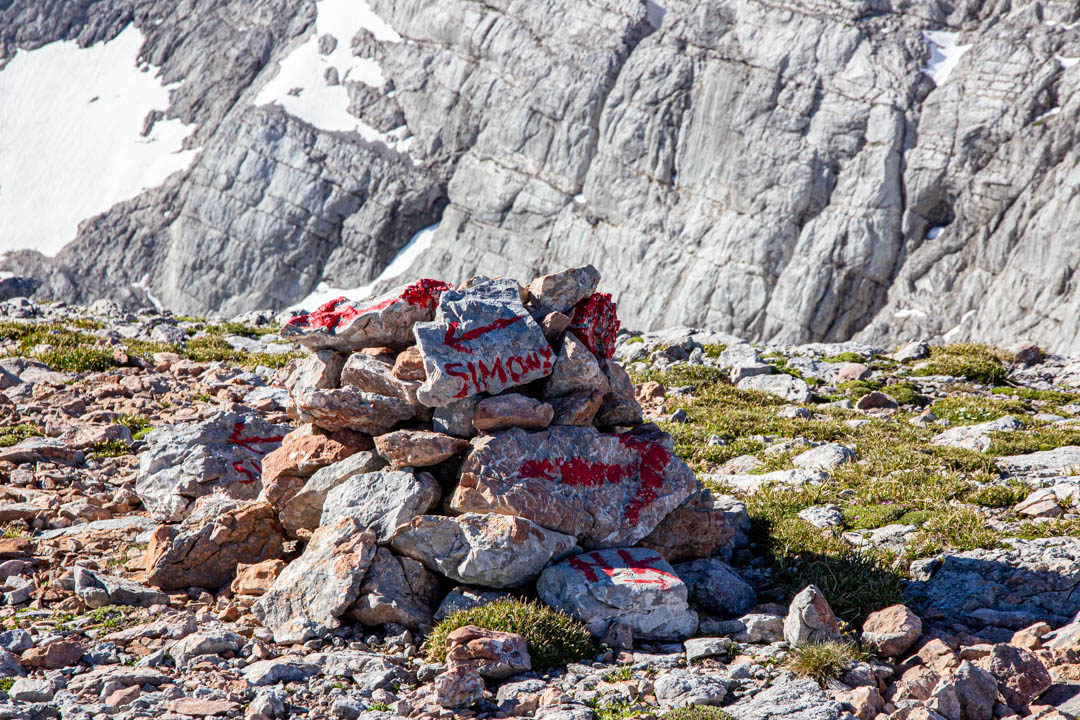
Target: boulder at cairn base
{"type": "Point", "coordinates": [607, 490]}
{"type": "Point", "coordinates": [632, 586]}
{"type": "Point", "coordinates": [349, 408]}
{"type": "Point", "coordinates": [396, 589]}
{"type": "Point", "coordinates": [347, 325]}
{"type": "Point", "coordinates": [488, 550]}
{"type": "Point", "coordinates": [206, 548]}
{"type": "Point", "coordinates": [314, 590]}
{"type": "Point", "coordinates": [482, 340]}
{"type": "Point", "coordinates": [184, 462]}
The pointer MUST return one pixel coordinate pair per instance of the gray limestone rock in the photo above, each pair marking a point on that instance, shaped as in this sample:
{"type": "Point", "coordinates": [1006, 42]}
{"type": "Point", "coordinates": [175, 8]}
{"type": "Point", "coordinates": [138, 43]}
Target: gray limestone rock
{"type": "Point", "coordinates": [489, 550]}
{"type": "Point", "coordinates": [381, 501]}
{"type": "Point", "coordinates": [482, 340]}
{"type": "Point", "coordinates": [220, 454]}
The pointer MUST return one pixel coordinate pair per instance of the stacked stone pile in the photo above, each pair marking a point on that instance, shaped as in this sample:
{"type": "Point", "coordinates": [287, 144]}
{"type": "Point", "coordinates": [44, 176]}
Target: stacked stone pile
{"type": "Point", "coordinates": [480, 435]}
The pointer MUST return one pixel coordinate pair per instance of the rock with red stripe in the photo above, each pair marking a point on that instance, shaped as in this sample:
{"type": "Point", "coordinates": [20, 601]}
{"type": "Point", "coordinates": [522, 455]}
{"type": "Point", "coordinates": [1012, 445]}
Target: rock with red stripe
{"type": "Point", "coordinates": [607, 490]}
{"type": "Point", "coordinates": [632, 586]}
{"type": "Point", "coordinates": [482, 340]}
{"type": "Point", "coordinates": [221, 454]}
{"type": "Point", "coordinates": [348, 325]}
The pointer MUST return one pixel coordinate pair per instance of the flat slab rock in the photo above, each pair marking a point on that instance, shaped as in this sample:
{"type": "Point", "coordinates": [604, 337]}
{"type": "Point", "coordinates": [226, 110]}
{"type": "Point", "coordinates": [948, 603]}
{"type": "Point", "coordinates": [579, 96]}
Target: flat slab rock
{"type": "Point", "coordinates": [346, 325]}
{"type": "Point", "coordinates": [796, 699]}
{"type": "Point", "coordinates": [1014, 587]}
{"type": "Point", "coordinates": [482, 340]}
{"type": "Point", "coordinates": [1045, 463]}
{"type": "Point", "coordinates": [607, 490]}
{"type": "Point", "coordinates": [633, 586]}
{"type": "Point", "coordinates": [221, 454]}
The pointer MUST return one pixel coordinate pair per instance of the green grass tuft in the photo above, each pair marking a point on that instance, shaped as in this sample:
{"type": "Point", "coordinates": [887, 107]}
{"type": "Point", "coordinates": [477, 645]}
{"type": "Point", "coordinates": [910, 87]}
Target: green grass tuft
{"type": "Point", "coordinates": [696, 712]}
{"type": "Point", "coordinates": [553, 637]}
{"type": "Point", "coordinates": [979, 363]}
{"type": "Point", "coordinates": [17, 433]}
{"type": "Point", "coordinates": [825, 661]}
{"type": "Point", "coordinates": [971, 409]}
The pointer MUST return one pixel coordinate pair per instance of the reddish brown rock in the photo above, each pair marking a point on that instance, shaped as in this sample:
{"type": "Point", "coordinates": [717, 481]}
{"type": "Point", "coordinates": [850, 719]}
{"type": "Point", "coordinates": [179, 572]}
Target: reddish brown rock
{"type": "Point", "coordinates": [577, 408]}
{"type": "Point", "coordinates": [460, 686]}
{"type": "Point", "coordinates": [321, 369]}
{"type": "Point", "coordinates": [695, 529]}
{"type": "Point", "coordinates": [352, 409]}
{"type": "Point", "coordinates": [206, 548]}
{"type": "Point", "coordinates": [285, 470]}
{"type": "Point", "coordinates": [418, 448]}
{"type": "Point", "coordinates": [1021, 677]}
{"type": "Point", "coordinates": [196, 707]}
{"type": "Point", "coordinates": [256, 578]}
{"type": "Point", "coordinates": [607, 490]}
{"type": "Point", "coordinates": [852, 371]}
{"type": "Point", "coordinates": [409, 365]}
{"type": "Point", "coordinates": [876, 401]}
{"type": "Point", "coordinates": [15, 547]}
{"type": "Point", "coordinates": [512, 410]}
{"type": "Point", "coordinates": [554, 325]}
{"type": "Point", "coordinates": [576, 368]}
{"type": "Point", "coordinates": [53, 656]}
{"type": "Point", "coordinates": [493, 654]}
{"type": "Point", "coordinates": [561, 291]}
{"type": "Point", "coordinates": [892, 630]}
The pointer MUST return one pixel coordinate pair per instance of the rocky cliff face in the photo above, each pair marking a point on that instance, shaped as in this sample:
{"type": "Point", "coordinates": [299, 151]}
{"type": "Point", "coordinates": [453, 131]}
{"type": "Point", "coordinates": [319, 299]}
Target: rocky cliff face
{"type": "Point", "coordinates": [792, 171]}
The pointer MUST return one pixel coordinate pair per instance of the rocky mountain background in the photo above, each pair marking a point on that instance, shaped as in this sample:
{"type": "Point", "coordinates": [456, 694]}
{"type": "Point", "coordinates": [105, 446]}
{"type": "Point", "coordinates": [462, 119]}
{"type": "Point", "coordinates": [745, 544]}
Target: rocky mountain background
{"type": "Point", "coordinates": [791, 171]}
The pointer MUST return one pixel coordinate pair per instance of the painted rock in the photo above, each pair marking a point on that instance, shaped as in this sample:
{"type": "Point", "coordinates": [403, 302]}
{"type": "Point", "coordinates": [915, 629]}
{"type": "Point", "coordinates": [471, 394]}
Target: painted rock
{"type": "Point", "coordinates": [607, 490]}
{"type": "Point", "coordinates": [316, 589]}
{"type": "Point", "coordinates": [489, 550]}
{"type": "Point", "coordinates": [632, 586]}
{"type": "Point", "coordinates": [482, 340]}
{"type": "Point", "coordinates": [596, 323]}
{"type": "Point", "coordinates": [347, 325]}
{"type": "Point", "coordinates": [221, 454]}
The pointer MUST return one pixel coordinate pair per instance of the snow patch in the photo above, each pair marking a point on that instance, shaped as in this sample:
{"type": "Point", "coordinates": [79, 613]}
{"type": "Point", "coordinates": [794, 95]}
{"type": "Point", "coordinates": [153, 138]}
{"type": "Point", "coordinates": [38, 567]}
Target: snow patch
{"type": "Point", "coordinates": [1066, 62]}
{"type": "Point", "coordinates": [322, 294]}
{"type": "Point", "coordinates": [654, 13]}
{"type": "Point", "coordinates": [301, 86]}
{"type": "Point", "coordinates": [944, 54]}
{"type": "Point", "coordinates": [959, 326]}
{"type": "Point", "coordinates": [71, 142]}
{"type": "Point", "coordinates": [1049, 113]}
{"type": "Point", "coordinates": [144, 285]}
{"type": "Point", "coordinates": [901, 314]}
{"type": "Point", "coordinates": [933, 232]}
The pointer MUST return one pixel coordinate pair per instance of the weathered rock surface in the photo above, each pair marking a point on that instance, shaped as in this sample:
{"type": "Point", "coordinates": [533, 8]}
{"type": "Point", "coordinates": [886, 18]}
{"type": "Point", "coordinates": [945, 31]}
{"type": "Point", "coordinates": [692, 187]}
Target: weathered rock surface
{"type": "Point", "coordinates": [696, 529]}
{"type": "Point", "coordinates": [607, 490]}
{"type": "Point", "coordinates": [493, 654]}
{"type": "Point", "coordinates": [976, 437]}
{"type": "Point", "coordinates": [316, 589]}
{"type": "Point", "coordinates": [482, 340]}
{"type": "Point", "coordinates": [561, 291]}
{"type": "Point", "coordinates": [395, 590]}
{"type": "Point", "coordinates": [304, 509]}
{"type": "Point", "coordinates": [512, 410]}
{"type": "Point", "coordinates": [381, 501]}
{"type": "Point", "coordinates": [385, 320]}
{"type": "Point", "coordinates": [347, 408]}
{"type": "Point", "coordinates": [418, 448]}
{"type": "Point", "coordinates": [633, 586]}
{"type": "Point", "coordinates": [810, 619]}
{"type": "Point", "coordinates": [491, 550]}
{"type": "Point", "coordinates": [715, 587]}
{"type": "Point", "coordinates": [100, 590]}
{"type": "Point", "coordinates": [223, 453]}
{"type": "Point", "coordinates": [892, 630]}
{"type": "Point", "coordinates": [206, 548]}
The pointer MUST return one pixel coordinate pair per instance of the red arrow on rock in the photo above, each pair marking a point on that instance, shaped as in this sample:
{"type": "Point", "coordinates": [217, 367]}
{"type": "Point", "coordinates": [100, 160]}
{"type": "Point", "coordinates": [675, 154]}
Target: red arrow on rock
{"type": "Point", "coordinates": [456, 341]}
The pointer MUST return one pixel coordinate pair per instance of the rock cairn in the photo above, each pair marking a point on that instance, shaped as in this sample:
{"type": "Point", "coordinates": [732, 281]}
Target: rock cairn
{"type": "Point", "coordinates": [482, 434]}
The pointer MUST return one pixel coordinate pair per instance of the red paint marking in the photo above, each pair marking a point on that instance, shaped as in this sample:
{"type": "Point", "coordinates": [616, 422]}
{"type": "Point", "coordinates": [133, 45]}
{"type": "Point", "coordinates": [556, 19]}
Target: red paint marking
{"type": "Point", "coordinates": [452, 339]}
{"type": "Point", "coordinates": [596, 323]}
{"type": "Point", "coordinates": [481, 376]}
{"type": "Point", "coordinates": [332, 316]}
{"type": "Point", "coordinates": [649, 464]}
{"type": "Point", "coordinates": [641, 570]}
{"type": "Point", "coordinates": [249, 444]}
{"type": "Point", "coordinates": [425, 293]}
